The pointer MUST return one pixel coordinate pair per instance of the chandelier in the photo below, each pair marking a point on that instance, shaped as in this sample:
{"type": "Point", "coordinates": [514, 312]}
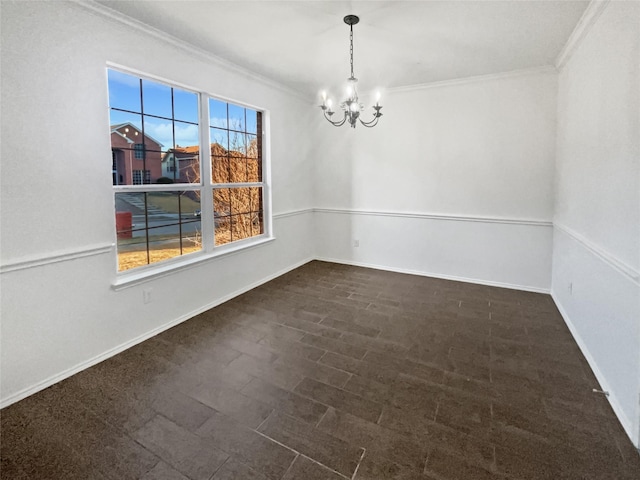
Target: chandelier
{"type": "Point", "coordinates": [350, 106]}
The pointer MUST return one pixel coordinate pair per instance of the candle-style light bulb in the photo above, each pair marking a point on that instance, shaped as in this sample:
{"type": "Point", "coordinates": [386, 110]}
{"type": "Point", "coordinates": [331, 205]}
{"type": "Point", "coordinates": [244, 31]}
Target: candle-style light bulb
{"type": "Point", "coordinates": [324, 98]}
{"type": "Point", "coordinates": [378, 98]}
{"type": "Point", "coordinates": [329, 104]}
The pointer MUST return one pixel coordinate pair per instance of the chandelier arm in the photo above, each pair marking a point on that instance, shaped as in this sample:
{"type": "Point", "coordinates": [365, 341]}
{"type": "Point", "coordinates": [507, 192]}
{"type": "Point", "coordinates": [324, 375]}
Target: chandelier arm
{"type": "Point", "coordinates": [371, 123]}
{"type": "Point", "coordinates": [335, 124]}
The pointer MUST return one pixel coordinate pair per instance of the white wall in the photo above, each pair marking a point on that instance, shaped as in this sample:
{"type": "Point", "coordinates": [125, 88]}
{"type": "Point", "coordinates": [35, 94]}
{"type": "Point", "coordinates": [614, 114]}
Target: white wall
{"type": "Point", "coordinates": [596, 256]}
{"type": "Point", "coordinates": [455, 181]}
{"type": "Point", "coordinates": [59, 311]}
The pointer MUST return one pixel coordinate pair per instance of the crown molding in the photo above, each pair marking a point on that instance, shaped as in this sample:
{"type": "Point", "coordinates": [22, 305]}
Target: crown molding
{"type": "Point", "coordinates": [588, 20]}
{"type": "Point", "coordinates": [110, 14]}
{"type": "Point", "coordinates": [542, 70]}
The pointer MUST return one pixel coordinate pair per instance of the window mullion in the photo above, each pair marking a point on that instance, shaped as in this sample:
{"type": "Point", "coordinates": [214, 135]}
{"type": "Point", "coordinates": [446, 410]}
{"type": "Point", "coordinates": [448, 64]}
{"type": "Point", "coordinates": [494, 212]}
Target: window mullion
{"type": "Point", "coordinates": [206, 192]}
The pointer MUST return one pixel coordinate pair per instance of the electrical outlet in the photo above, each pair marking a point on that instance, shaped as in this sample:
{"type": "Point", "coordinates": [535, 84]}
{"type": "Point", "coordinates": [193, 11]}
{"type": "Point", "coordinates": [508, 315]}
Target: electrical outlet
{"type": "Point", "coordinates": [146, 295]}
{"type": "Point", "coordinates": [356, 243]}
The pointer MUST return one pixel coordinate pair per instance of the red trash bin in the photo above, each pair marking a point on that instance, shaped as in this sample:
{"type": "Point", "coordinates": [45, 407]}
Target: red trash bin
{"type": "Point", "coordinates": [123, 224]}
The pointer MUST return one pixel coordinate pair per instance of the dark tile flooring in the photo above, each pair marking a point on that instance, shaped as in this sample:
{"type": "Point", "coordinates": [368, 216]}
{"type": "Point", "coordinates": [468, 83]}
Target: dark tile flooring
{"type": "Point", "coordinates": [334, 372]}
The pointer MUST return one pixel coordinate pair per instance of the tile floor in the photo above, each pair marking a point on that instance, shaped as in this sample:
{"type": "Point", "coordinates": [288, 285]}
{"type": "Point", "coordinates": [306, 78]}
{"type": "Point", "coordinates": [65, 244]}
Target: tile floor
{"type": "Point", "coordinates": [334, 372]}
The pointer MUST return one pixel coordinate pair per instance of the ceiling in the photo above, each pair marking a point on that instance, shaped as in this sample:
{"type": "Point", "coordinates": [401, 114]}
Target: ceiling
{"type": "Point", "coordinates": [305, 44]}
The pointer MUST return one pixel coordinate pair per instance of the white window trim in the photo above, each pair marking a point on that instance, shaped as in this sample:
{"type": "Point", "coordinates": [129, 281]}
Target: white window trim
{"type": "Point", "coordinates": [157, 270]}
{"type": "Point", "coordinates": [210, 251]}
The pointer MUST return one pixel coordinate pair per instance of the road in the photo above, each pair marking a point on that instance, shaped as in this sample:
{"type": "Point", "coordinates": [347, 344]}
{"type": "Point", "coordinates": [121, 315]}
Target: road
{"type": "Point", "coordinates": [163, 230]}
{"type": "Point", "coordinates": [165, 225]}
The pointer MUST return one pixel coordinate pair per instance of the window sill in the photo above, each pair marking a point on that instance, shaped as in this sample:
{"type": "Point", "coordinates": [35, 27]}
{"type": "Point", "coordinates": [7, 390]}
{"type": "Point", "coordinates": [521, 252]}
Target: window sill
{"type": "Point", "coordinates": [126, 280]}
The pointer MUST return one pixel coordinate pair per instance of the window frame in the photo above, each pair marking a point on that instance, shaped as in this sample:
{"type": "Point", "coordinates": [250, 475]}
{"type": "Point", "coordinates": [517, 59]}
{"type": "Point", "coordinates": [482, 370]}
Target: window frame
{"type": "Point", "coordinates": [206, 187]}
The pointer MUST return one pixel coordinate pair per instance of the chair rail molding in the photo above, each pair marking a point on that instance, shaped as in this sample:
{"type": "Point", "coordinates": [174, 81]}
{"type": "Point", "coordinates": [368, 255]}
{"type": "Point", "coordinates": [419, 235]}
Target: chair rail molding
{"type": "Point", "coordinates": [627, 270]}
{"type": "Point", "coordinates": [55, 257]}
{"type": "Point", "coordinates": [437, 216]}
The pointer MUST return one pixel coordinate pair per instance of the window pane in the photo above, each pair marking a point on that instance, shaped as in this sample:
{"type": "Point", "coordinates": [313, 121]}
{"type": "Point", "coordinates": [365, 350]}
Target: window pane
{"type": "Point", "coordinates": [222, 215]}
{"type": "Point", "coordinates": [238, 213]}
{"type": "Point", "coordinates": [186, 134]}
{"type": "Point", "coordinates": [171, 227]}
{"type": "Point", "coordinates": [217, 113]}
{"type": "Point", "coordinates": [242, 143]}
{"type": "Point", "coordinates": [131, 231]}
{"type": "Point", "coordinates": [254, 170]}
{"type": "Point", "coordinates": [174, 224]}
{"type": "Point", "coordinates": [257, 223]}
{"type": "Point", "coordinates": [222, 202]}
{"type": "Point", "coordinates": [237, 169]}
{"type": "Point", "coordinates": [236, 118]}
{"type": "Point", "coordinates": [236, 142]}
{"type": "Point", "coordinates": [242, 149]}
{"type": "Point", "coordinates": [220, 168]}
{"type": "Point", "coordinates": [251, 143]}
{"type": "Point", "coordinates": [158, 133]}
{"type": "Point", "coordinates": [221, 137]}
{"type": "Point", "coordinates": [252, 121]}
{"type": "Point", "coordinates": [256, 201]}
{"type": "Point", "coordinates": [185, 106]}
{"type": "Point", "coordinates": [122, 120]}
{"type": "Point", "coordinates": [181, 165]}
{"type": "Point", "coordinates": [156, 99]}
{"type": "Point", "coordinates": [124, 91]}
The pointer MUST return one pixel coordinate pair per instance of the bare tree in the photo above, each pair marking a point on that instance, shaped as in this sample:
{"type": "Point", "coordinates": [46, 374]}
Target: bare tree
{"type": "Point", "coordinates": [237, 210]}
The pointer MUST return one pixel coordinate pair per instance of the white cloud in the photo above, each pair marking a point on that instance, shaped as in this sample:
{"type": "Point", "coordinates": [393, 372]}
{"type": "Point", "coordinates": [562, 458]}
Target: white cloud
{"type": "Point", "coordinates": [220, 122]}
{"type": "Point", "coordinates": [163, 132]}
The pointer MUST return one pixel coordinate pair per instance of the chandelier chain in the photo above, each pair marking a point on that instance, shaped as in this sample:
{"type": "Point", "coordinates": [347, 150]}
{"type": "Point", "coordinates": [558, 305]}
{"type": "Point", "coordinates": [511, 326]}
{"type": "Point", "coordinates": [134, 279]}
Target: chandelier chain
{"type": "Point", "coordinates": [351, 50]}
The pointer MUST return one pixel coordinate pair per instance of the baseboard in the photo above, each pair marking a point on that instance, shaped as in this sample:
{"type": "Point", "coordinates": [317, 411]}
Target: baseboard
{"type": "Point", "coordinates": [120, 348]}
{"type": "Point", "coordinates": [421, 273]}
{"type": "Point", "coordinates": [626, 423]}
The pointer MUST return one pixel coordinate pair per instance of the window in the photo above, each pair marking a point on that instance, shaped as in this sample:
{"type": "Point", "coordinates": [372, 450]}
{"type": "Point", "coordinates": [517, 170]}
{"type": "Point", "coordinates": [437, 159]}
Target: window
{"type": "Point", "coordinates": [236, 159]}
{"type": "Point", "coordinates": [141, 177]}
{"type": "Point", "coordinates": [138, 148]}
{"type": "Point", "coordinates": [170, 199]}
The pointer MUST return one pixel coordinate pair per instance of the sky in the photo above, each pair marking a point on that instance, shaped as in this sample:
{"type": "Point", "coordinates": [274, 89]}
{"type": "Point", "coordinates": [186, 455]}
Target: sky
{"type": "Point", "coordinates": [124, 93]}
